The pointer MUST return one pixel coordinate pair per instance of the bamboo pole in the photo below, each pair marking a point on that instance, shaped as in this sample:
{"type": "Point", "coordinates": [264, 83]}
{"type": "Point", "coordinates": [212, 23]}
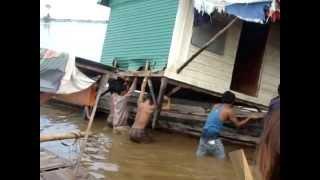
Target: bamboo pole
{"type": "Point", "coordinates": [61, 136]}
{"type": "Point", "coordinates": [207, 44]}
{"type": "Point", "coordinates": [163, 86]}
{"type": "Point", "coordinates": [102, 84]}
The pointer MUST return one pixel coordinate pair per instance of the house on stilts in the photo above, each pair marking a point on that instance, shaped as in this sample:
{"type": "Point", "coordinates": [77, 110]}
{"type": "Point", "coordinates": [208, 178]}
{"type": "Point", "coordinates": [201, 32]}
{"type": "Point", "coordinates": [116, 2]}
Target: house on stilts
{"type": "Point", "coordinates": [207, 45]}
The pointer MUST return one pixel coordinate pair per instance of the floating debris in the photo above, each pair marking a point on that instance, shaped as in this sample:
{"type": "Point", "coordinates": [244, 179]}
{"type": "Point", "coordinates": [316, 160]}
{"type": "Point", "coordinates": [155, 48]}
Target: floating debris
{"type": "Point", "coordinates": [91, 150]}
{"type": "Point", "coordinates": [104, 166]}
{"type": "Point", "coordinates": [97, 157]}
{"type": "Point", "coordinates": [96, 175]}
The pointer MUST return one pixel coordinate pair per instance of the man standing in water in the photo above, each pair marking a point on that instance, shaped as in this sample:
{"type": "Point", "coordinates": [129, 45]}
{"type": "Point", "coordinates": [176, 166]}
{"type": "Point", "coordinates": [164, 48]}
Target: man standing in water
{"type": "Point", "coordinates": [210, 143]}
{"type": "Point", "coordinates": [138, 132]}
{"type": "Point", "coordinates": [119, 113]}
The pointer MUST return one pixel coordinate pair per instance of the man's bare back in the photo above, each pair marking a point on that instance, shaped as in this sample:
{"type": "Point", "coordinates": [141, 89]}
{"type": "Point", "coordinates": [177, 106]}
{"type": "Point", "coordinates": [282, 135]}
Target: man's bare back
{"type": "Point", "coordinates": [144, 111]}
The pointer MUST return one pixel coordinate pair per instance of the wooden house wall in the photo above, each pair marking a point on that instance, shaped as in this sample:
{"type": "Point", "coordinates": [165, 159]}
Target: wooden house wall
{"type": "Point", "coordinates": [214, 72]}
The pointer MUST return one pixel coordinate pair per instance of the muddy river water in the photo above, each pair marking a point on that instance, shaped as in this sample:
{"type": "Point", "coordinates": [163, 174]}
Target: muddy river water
{"type": "Point", "coordinates": [115, 157]}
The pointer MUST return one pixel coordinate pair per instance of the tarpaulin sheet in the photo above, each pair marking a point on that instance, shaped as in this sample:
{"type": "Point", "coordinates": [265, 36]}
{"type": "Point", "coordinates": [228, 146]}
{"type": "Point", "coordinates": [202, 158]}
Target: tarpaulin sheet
{"type": "Point", "coordinates": [248, 10]}
{"type": "Point", "coordinates": [59, 74]}
{"type": "Point", "coordinates": [255, 12]}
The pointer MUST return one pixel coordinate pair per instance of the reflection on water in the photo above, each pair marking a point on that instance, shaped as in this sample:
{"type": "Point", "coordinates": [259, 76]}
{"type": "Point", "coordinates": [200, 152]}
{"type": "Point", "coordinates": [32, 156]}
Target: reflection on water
{"type": "Point", "coordinates": [84, 39]}
{"type": "Point", "coordinates": [110, 156]}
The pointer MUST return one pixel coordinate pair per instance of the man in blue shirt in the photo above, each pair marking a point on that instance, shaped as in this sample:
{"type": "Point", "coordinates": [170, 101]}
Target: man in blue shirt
{"type": "Point", "coordinates": [210, 143]}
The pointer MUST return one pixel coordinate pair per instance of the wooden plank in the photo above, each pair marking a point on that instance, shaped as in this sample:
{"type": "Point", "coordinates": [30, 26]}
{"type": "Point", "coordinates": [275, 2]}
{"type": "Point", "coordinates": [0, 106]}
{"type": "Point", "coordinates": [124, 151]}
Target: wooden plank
{"type": "Point", "coordinates": [141, 74]}
{"type": "Point", "coordinates": [197, 89]}
{"type": "Point", "coordinates": [240, 165]}
{"type": "Point", "coordinates": [94, 69]}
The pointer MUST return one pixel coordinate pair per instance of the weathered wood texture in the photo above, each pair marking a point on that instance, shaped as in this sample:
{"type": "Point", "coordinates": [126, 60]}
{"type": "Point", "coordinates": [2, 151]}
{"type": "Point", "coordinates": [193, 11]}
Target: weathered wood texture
{"type": "Point", "coordinates": [140, 73]}
{"type": "Point", "coordinates": [214, 72]}
{"type": "Point", "coordinates": [188, 117]}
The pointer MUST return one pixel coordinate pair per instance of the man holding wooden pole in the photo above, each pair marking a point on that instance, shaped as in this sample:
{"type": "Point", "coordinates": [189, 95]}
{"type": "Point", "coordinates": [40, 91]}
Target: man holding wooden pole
{"type": "Point", "coordinates": [119, 113]}
{"type": "Point", "coordinates": [210, 143]}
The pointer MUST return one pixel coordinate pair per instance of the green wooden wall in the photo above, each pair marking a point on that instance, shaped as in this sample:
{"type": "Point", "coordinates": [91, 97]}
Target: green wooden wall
{"type": "Point", "coordinates": [139, 30]}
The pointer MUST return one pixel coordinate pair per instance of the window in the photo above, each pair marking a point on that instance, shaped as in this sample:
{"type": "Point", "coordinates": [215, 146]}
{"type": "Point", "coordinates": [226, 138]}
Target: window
{"type": "Point", "coordinates": [205, 27]}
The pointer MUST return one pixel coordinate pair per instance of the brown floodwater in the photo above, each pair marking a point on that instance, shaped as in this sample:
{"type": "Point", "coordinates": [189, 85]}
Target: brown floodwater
{"type": "Point", "coordinates": [115, 157]}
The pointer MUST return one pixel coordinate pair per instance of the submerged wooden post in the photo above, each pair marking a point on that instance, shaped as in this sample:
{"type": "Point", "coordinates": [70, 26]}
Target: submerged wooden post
{"type": "Point", "coordinates": [240, 164]}
{"type": "Point", "coordinates": [207, 44]}
{"type": "Point", "coordinates": [163, 87]}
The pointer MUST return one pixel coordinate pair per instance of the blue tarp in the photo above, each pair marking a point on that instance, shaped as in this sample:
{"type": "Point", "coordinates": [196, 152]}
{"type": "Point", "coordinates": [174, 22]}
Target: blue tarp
{"type": "Point", "coordinates": [247, 10]}
{"type": "Point", "coordinates": [253, 12]}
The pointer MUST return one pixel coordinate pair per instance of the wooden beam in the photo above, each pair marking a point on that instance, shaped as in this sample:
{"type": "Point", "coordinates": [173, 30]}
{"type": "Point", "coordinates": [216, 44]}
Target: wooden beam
{"type": "Point", "coordinates": [201, 90]}
{"type": "Point", "coordinates": [173, 91]}
{"type": "Point", "coordinates": [206, 45]}
{"type": "Point", "coordinates": [240, 165]}
{"type": "Point", "coordinates": [94, 69]}
{"type": "Point", "coordinates": [140, 74]}
{"type": "Point", "coordinates": [163, 87]}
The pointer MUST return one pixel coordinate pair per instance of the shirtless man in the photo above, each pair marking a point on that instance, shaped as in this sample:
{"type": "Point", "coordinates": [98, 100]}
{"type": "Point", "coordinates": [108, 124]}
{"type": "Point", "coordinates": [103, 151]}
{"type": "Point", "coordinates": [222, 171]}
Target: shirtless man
{"type": "Point", "coordinates": [210, 142]}
{"type": "Point", "coordinates": [138, 132]}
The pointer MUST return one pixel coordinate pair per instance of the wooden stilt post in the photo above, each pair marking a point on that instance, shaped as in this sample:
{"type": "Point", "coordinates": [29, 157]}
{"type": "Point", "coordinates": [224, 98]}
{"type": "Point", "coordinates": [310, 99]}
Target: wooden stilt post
{"type": "Point", "coordinates": [163, 87]}
{"type": "Point", "coordinates": [144, 84]}
{"type": "Point", "coordinates": [152, 92]}
{"type": "Point", "coordinates": [101, 88]}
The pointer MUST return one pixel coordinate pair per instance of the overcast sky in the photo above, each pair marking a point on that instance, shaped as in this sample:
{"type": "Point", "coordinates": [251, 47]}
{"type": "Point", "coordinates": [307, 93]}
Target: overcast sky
{"type": "Point", "coordinates": [75, 9]}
